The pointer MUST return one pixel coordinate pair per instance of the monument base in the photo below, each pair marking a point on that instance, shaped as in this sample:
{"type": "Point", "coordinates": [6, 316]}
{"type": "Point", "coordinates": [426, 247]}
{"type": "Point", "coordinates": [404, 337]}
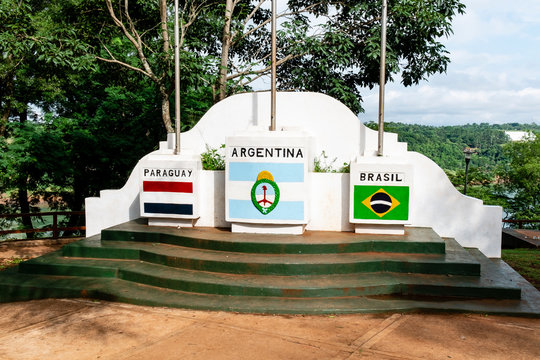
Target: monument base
{"type": "Point", "coordinates": [268, 228]}
{"type": "Point", "coordinates": [177, 223]}
{"type": "Point", "coordinates": [385, 229]}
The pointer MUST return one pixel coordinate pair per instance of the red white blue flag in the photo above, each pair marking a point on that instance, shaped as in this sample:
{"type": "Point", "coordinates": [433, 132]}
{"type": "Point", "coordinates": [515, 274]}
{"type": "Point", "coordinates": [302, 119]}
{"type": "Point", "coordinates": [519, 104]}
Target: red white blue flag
{"type": "Point", "coordinates": [168, 190]}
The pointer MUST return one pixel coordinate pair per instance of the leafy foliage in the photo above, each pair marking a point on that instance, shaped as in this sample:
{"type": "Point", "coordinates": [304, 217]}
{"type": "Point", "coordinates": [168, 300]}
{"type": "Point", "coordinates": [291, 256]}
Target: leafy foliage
{"type": "Point", "coordinates": [322, 165]}
{"type": "Point", "coordinates": [7, 263]}
{"type": "Point", "coordinates": [521, 178]}
{"type": "Point", "coordinates": [105, 131]}
{"type": "Point", "coordinates": [501, 173]}
{"type": "Point", "coordinates": [212, 159]}
{"type": "Point", "coordinates": [445, 144]}
{"type": "Point", "coordinates": [340, 55]}
{"type": "Point", "coordinates": [323, 46]}
{"type": "Point", "coordinates": [481, 184]}
{"type": "Point", "coordinates": [41, 165]}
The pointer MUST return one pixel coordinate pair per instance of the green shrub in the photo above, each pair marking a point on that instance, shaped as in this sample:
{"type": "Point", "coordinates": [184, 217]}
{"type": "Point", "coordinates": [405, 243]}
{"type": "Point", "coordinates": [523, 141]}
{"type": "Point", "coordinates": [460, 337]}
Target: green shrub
{"type": "Point", "coordinates": [321, 165]}
{"type": "Point", "coordinates": [212, 160]}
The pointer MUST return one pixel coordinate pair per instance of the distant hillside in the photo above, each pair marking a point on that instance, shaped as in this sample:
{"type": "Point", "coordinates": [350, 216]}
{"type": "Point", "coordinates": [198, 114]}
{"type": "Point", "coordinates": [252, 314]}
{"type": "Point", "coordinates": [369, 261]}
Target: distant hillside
{"type": "Point", "coordinates": [445, 144]}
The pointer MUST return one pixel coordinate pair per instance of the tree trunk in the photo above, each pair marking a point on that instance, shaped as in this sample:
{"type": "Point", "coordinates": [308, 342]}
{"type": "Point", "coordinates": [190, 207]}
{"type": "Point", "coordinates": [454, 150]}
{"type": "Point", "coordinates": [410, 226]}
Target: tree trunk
{"type": "Point", "coordinates": [76, 203]}
{"type": "Point", "coordinates": [226, 44]}
{"type": "Point", "coordinates": [164, 28]}
{"type": "Point", "coordinates": [22, 197]}
{"type": "Point", "coordinates": [165, 104]}
{"type": "Point", "coordinates": [4, 120]}
{"type": "Point", "coordinates": [7, 94]}
{"type": "Point", "coordinates": [165, 109]}
{"type": "Point", "coordinates": [22, 189]}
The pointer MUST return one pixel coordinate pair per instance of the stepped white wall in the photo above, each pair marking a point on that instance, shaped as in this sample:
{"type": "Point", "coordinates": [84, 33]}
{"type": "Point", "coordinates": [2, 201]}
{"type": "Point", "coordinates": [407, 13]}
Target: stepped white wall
{"type": "Point", "coordinates": [338, 132]}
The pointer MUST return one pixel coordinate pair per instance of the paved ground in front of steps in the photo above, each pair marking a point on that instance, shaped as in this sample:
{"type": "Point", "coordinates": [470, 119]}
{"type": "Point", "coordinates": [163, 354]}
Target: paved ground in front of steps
{"type": "Point", "coordinates": [84, 329]}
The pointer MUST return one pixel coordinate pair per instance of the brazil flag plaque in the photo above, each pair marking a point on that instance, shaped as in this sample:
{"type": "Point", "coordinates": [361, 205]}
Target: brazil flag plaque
{"type": "Point", "coordinates": [380, 192]}
{"type": "Point", "coordinates": [381, 202]}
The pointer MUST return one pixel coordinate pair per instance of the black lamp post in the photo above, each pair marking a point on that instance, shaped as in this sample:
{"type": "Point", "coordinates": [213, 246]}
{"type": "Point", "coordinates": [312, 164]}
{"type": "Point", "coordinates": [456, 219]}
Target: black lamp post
{"type": "Point", "coordinates": [468, 152]}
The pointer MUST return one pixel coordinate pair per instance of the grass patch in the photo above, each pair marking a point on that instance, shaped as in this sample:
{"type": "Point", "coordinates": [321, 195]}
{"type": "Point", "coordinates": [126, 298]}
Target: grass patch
{"type": "Point", "coordinates": [526, 262]}
{"type": "Point", "coordinates": [7, 263]}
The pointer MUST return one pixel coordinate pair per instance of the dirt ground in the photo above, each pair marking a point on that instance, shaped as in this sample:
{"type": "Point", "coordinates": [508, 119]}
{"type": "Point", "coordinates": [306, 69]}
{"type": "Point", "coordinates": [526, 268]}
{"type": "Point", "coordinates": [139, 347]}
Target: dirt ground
{"type": "Point", "coordinates": [28, 249]}
{"type": "Point", "coordinates": [85, 329]}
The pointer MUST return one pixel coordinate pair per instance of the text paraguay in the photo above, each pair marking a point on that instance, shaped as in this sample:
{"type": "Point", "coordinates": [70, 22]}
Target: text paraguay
{"type": "Point", "coordinates": [167, 172]}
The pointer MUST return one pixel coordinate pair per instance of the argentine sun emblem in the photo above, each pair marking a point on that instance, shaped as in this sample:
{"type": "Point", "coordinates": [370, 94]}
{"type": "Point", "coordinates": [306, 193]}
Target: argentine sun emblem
{"type": "Point", "coordinates": [265, 193]}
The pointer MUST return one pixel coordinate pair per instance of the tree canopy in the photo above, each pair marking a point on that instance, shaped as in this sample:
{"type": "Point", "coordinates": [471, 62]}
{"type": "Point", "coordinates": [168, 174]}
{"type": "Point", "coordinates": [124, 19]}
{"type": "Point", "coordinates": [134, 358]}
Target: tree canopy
{"type": "Point", "coordinates": [521, 178]}
{"type": "Point", "coordinates": [501, 172]}
{"type": "Point", "coordinates": [324, 46]}
{"type": "Point", "coordinates": [86, 86]}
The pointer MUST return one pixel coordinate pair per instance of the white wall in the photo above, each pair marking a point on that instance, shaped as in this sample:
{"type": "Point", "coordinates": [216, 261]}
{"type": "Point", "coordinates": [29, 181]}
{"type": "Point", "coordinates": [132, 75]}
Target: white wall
{"type": "Point", "coordinates": [436, 203]}
{"type": "Point", "coordinates": [336, 128]}
{"type": "Point", "coordinates": [113, 207]}
{"type": "Point", "coordinates": [451, 214]}
{"type": "Point", "coordinates": [330, 202]}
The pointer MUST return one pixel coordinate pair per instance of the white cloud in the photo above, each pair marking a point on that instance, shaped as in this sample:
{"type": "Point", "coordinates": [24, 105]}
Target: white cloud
{"type": "Point", "coordinates": [493, 77]}
{"type": "Point", "coordinates": [442, 105]}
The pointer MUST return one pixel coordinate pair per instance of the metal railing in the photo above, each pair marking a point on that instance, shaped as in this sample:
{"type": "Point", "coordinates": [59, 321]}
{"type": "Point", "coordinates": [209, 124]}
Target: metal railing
{"type": "Point", "coordinates": [521, 222]}
{"type": "Point", "coordinates": [54, 228]}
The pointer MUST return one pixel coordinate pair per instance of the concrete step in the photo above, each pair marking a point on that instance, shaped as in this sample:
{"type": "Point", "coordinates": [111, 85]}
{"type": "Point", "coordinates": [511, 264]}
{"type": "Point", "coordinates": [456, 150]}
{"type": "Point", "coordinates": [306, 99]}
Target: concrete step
{"type": "Point", "coordinates": [416, 240]}
{"type": "Point", "coordinates": [17, 287]}
{"type": "Point", "coordinates": [312, 273]}
{"type": "Point", "coordinates": [356, 284]}
{"type": "Point", "coordinates": [456, 261]}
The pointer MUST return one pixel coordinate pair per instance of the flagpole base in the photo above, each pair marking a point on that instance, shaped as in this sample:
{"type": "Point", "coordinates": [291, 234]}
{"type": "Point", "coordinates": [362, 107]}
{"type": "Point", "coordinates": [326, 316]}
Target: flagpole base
{"type": "Point", "coordinates": [268, 229]}
{"type": "Point", "coordinates": [177, 223]}
{"type": "Point", "coordinates": [382, 229]}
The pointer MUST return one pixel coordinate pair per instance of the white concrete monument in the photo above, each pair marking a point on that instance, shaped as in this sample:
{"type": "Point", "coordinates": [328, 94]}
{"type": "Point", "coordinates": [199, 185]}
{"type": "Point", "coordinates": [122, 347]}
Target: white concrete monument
{"type": "Point", "coordinates": [328, 202]}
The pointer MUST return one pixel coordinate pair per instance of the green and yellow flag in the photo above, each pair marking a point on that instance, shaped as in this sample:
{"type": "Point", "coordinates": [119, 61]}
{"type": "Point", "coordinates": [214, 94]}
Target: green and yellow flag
{"type": "Point", "coordinates": [381, 202]}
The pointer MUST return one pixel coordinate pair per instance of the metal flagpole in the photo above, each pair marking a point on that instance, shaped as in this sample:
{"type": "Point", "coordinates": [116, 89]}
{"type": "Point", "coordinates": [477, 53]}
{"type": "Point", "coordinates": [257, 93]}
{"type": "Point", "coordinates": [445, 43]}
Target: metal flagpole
{"type": "Point", "coordinates": [273, 85]}
{"type": "Point", "coordinates": [176, 80]}
{"type": "Point", "coordinates": [382, 77]}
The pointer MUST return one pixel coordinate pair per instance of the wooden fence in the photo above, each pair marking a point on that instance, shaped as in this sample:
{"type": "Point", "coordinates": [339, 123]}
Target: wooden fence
{"type": "Point", "coordinates": [56, 230]}
{"type": "Point", "coordinates": [521, 222]}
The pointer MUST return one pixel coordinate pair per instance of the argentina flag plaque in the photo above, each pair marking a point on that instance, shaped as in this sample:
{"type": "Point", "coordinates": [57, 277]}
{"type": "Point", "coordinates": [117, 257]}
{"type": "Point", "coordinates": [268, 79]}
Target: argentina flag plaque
{"type": "Point", "coordinates": [266, 178]}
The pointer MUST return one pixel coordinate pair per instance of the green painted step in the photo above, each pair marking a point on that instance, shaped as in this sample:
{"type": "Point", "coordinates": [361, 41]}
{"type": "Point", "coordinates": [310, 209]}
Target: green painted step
{"type": "Point", "coordinates": [455, 262]}
{"type": "Point", "coordinates": [365, 284]}
{"type": "Point", "coordinates": [313, 273]}
{"type": "Point", "coordinates": [19, 287]}
{"type": "Point", "coordinates": [416, 240]}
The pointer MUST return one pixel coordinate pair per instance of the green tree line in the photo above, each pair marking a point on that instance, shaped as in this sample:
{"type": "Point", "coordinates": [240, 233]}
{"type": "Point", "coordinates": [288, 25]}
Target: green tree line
{"type": "Point", "coordinates": [86, 86]}
{"type": "Point", "coordinates": [501, 172]}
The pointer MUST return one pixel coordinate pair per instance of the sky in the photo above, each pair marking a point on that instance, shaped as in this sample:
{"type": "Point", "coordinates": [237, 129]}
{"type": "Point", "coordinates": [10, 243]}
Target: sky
{"type": "Point", "coordinates": [493, 77]}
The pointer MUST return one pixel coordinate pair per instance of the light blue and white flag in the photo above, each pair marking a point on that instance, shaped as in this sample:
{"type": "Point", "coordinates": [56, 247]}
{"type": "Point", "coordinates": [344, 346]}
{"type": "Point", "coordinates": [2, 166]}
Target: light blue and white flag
{"type": "Point", "coordinates": [266, 192]}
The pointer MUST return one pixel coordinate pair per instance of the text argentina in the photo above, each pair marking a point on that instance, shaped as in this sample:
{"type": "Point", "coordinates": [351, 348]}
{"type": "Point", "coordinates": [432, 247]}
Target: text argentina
{"type": "Point", "coordinates": [266, 152]}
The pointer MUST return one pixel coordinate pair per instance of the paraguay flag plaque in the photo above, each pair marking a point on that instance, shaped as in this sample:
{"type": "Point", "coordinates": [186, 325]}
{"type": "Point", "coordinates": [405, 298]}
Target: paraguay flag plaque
{"type": "Point", "coordinates": [169, 188]}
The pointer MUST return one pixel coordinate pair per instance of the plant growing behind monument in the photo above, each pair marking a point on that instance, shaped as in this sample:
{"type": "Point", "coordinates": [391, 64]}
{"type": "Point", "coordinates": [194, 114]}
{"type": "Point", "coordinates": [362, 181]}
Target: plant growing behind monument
{"type": "Point", "coordinates": [212, 160]}
{"type": "Point", "coordinates": [322, 165]}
